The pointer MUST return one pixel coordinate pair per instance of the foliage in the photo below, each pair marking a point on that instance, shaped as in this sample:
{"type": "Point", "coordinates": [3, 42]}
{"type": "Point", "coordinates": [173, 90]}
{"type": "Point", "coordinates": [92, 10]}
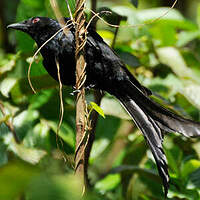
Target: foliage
{"type": "Point", "coordinates": [164, 56]}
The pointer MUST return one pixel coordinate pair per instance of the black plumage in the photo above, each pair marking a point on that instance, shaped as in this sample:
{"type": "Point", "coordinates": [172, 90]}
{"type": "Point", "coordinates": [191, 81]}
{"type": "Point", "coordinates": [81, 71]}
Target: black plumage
{"type": "Point", "coordinates": [105, 71]}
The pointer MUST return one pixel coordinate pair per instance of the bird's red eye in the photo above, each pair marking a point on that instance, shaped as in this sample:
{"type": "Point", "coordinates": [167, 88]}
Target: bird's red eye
{"type": "Point", "coordinates": [35, 20]}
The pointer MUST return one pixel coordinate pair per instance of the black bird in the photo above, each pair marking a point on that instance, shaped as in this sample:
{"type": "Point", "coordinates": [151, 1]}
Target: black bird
{"type": "Point", "coordinates": [105, 71]}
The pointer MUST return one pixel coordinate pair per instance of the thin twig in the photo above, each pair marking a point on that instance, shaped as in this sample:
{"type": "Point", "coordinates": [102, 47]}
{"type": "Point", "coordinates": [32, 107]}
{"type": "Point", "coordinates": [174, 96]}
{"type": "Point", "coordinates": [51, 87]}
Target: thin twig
{"type": "Point", "coordinates": [61, 105]}
{"type": "Point", "coordinates": [70, 11]}
{"type": "Point", "coordinates": [66, 31]}
{"type": "Point", "coordinates": [137, 25]}
{"type": "Point", "coordinates": [94, 16]}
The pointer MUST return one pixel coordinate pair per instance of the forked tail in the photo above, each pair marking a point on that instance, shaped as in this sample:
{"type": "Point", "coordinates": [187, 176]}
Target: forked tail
{"type": "Point", "coordinates": [153, 120]}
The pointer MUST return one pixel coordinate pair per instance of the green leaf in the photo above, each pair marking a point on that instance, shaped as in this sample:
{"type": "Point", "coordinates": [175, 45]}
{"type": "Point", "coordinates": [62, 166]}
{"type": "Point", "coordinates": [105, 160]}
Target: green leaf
{"type": "Point", "coordinates": [65, 132]}
{"type": "Point", "coordinates": [139, 181]}
{"type": "Point", "coordinates": [39, 137]}
{"type": "Point", "coordinates": [191, 91]}
{"type": "Point", "coordinates": [112, 107]}
{"type": "Point", "coordinates": [98, 147]}
{"type": "Point", "coordinates": [22, 89]}
{"type": "Point", "coordinates": [97, 109]}
{"type": "Point", "coordinates": [6, 86]}
{"type": "Point", "coordinates": [133, 169]}
{"type": "Point", "coordinates": [4, 119]}
{"type": "Point", "coordinates": [8, 62]}
{"type": "Point", "coordinates": [185, 37]}
{"type": "Point", "coordinates": [31, 155]}
{"type": "Point", "coordinates": [194, 181]}
{"type": "Point", "coordinates": [190, 81]}
{"type": "Point", "coordinates": [187, 194]}
{"type": "Point", "coordinates": [161, 33]}
{"type": "Point", "coordinates": [108, 183]}
{"type": "Point", "coordinates": [171, 56]}
{"type": "Point", "coordinates": [149, 14]}
{"type": "Point", "coordinates": [107, 36]}
{"type": "Point", "coordinates": [72, 4]}
{"type": "Point", "coordinates": [189, 167]}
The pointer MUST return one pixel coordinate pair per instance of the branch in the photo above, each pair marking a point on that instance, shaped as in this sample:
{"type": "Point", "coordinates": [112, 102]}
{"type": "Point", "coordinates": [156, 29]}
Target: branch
{"type": "Point", "coordinates": [94, 116]}
{"type": "Point", "coordinates": [81, 107]}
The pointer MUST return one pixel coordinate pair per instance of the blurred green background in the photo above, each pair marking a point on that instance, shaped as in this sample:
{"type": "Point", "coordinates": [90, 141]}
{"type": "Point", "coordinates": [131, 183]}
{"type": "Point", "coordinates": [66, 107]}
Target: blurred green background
{"type": "Point", "coordinates": [164, 56]}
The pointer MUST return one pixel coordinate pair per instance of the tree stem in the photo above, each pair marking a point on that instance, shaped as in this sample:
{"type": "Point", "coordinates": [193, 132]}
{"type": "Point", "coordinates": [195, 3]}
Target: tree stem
{"type": "Point", "coordinates": [81, 107]}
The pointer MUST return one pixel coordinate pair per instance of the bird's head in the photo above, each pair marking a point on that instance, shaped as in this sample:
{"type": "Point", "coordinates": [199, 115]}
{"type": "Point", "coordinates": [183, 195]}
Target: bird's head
{"type": "Point", "coordinates": [36, 27]}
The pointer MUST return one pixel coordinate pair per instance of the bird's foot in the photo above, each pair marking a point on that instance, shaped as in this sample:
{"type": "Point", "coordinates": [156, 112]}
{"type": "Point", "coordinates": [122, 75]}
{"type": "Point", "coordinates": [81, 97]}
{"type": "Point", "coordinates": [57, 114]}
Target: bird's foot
{"type": "Point", "coordinates": [90, 86]}
{"type": "Point", "coordinates": [75, 91]}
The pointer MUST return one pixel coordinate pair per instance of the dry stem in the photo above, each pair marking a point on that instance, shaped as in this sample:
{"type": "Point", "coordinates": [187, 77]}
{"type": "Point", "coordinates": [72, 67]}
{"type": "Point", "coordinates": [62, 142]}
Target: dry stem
{"type": "Point", "coordinates": [81, 107]}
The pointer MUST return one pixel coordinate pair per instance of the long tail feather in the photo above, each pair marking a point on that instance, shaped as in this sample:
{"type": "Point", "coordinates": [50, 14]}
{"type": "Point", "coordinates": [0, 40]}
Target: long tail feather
{"type": "Point", "coordinates": [165, 119]}
{"type": "Point", "coordinates": [152, 134]}
{"type": "Point", "coordinates": [151, 118]}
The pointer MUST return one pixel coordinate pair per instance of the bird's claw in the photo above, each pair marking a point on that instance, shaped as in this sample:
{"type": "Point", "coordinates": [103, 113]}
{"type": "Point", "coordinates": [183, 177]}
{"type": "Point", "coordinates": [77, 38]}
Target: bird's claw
{"type": "Point", "coordinates": [90, 86]}
{"type": "Point", "coordinates": [74, 92]}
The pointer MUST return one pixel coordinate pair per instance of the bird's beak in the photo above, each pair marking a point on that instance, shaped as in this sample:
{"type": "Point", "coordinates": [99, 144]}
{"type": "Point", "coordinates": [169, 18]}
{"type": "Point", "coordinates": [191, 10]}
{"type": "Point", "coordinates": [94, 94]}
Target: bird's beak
{"type": "Point", "coordinates": [19, 26]}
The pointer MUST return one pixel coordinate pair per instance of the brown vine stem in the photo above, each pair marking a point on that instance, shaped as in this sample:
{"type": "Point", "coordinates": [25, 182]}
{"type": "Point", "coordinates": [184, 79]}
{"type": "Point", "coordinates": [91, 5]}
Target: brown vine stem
{"type": "Point", "coordinates": [81, 107]}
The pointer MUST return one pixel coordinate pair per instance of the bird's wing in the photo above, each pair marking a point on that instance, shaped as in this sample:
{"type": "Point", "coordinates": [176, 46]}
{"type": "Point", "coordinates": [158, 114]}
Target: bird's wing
{"type": "Point", "coordinates": [112, 59]}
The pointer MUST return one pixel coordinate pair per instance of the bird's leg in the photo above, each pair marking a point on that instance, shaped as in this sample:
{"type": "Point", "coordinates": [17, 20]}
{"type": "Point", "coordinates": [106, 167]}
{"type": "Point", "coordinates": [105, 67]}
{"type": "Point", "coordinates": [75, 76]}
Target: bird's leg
{"type": "Point", "coordinates": [75, 91]}
{"type": "Point", "coordinates": [90, 86]}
